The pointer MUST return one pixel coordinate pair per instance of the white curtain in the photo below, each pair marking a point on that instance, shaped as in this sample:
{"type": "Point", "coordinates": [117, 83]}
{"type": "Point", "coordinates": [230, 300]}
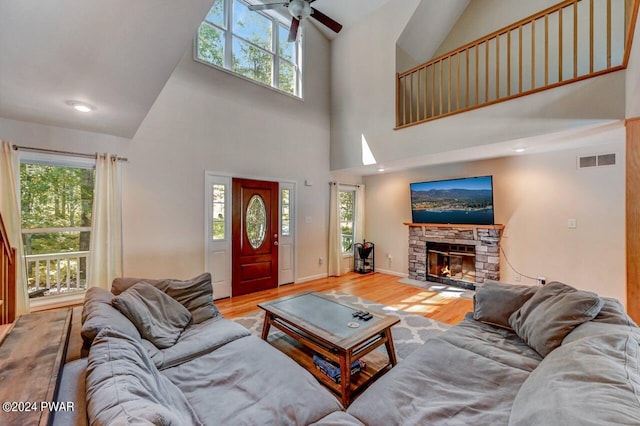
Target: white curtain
{"type": "Point", "coordinates": [360, 235]}
{"type": "Point", "coordinates": [334, 262]}
{"type": "Point", "coordinates": [10, 208]}
{"type": "Point", "coordinates": [105, 262]}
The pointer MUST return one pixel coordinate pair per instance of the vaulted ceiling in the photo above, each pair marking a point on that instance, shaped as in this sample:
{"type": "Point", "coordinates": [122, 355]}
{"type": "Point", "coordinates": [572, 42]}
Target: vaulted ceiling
{"type": "Point", "coordinates": [115, 55]}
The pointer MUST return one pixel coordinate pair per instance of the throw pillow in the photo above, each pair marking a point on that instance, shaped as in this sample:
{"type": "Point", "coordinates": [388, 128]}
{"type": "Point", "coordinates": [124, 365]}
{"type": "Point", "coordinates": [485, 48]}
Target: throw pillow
{"type": "Point", "coordinates": [157, 316]}
{"type": "Point", "coordinates": [98, 313]}
{"type": "Point", "coordinates": [553, 312]}
{"type": "Point", "coordinates": [195, 294]}
{"type": "Point", "coordinates": [494, 302]}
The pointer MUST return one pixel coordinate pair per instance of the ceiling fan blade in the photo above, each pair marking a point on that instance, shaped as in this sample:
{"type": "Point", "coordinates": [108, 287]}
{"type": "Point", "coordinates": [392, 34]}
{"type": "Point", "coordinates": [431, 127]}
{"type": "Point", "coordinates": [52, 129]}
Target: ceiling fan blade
{"type": "Point", "coordinates": [324, 19]}
{"type": "Point", "coordinates": [267, 5]}
{"type": "Point", "coordinates": [293, 32]}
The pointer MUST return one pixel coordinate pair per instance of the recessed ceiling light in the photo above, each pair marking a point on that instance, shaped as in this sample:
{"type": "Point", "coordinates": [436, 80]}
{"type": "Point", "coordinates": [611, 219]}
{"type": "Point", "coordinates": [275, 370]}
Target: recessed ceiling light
{"type": "Point", "coordinates": [80, 106]}
{"type": "Point", "coordinates": [520, 149]}
{"type": "Point", "coordinates": [381, 169]}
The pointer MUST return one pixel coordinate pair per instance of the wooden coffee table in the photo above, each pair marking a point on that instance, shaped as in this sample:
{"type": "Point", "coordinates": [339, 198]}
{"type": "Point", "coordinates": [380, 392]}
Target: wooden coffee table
{"type": "Point", "coordinates": [321, 324]}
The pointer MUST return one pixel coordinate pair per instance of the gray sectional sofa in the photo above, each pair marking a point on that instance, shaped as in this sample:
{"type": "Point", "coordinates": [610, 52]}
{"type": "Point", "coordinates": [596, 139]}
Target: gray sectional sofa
{"type": "Point", "coordinates": [483, 372]}
{"type": "Point", "coordinates": [525, 356]}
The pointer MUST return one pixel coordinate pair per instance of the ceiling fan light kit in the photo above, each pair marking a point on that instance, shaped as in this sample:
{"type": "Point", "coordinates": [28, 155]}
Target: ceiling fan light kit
{"type": "Point", "coordinates": [300, 10]}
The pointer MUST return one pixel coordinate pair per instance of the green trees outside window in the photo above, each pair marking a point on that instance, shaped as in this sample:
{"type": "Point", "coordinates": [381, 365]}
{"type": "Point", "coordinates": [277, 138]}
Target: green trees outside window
{"type": "Point", "coordinates": [56, 207]}
{"type": "Point", "coordinates": [249, 43]}
{"type": "Point", "coordinates": [347, 214]}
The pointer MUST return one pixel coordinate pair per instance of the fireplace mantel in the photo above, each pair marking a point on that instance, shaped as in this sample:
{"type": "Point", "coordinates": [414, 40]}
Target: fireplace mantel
{"type": "Point", "coordinates": [454, 226]}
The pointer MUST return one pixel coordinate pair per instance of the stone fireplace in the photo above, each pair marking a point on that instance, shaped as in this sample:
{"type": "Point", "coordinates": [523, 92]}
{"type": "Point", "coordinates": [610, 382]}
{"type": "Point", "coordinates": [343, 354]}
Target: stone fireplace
{"type": "Point", "coordinates": [460, 255]}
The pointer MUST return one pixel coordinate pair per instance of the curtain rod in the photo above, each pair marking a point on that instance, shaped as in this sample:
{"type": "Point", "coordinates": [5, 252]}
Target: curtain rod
{"type": "Point", "coordinates": [357, 185]}
{"type": "Point", "coordinates": [55, 151]}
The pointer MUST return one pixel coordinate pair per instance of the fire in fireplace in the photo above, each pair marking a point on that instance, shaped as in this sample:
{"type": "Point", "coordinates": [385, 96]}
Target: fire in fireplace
{"type": "Point", "coordinates": [453, 261]}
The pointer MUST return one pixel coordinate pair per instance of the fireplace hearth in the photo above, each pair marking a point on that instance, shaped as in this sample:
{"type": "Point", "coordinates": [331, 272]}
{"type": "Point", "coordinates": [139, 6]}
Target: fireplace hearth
{"type": "Point", "coordinates": [459, 255]}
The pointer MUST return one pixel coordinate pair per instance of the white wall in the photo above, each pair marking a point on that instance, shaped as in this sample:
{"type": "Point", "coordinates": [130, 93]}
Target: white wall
{"type": "Point", "coordinates": [209, 120]}
{"type": "Point", "coordinates": [534, 196]}
{"type": "Point", "coordinates": [363, 102]}
{"type": "Point", "coordinates": [482, 17]}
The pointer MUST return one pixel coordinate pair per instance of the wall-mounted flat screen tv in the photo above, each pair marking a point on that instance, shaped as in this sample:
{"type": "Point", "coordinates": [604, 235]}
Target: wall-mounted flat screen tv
{"type": "Point", "coordinates": [453, 201]}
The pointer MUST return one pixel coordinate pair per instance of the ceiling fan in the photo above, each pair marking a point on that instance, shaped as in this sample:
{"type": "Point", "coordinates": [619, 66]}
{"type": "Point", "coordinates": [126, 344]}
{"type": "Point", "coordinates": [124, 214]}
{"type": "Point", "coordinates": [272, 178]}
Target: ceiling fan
{"type": "Point", "coordinates": [299, 10]}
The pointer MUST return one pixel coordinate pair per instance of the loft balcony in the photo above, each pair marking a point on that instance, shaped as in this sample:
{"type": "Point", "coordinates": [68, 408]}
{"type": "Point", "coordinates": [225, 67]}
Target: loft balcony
{"type": "Point", "coordinates": [569, 42]}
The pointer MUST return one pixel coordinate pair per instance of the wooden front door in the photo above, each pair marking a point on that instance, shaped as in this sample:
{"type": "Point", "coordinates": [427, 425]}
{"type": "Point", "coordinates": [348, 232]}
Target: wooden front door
{"type": "Point", "coordinates": [255, 236]}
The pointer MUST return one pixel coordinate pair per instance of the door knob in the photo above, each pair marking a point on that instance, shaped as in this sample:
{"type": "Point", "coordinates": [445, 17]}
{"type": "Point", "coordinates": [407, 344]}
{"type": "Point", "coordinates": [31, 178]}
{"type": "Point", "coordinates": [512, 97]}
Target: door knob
{"type": "Point", "coordinates": [275, 243]}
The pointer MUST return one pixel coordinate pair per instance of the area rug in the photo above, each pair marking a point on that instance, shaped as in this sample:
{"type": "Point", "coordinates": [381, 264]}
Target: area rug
{"type": "Point", "coordinates": [440, 288]}
{"type": "Point", "coordinates": [408, 335]}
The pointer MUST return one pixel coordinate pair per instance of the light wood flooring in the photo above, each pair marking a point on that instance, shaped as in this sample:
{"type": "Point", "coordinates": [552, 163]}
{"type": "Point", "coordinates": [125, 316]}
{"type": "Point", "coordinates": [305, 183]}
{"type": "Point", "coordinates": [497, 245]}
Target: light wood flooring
{"type": "Point", "coordinates": [382, 288]}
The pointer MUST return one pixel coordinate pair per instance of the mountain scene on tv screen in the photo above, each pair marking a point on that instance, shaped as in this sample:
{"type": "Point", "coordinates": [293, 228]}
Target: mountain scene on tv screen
{"type": "Point", "coordinates": [452, 199]}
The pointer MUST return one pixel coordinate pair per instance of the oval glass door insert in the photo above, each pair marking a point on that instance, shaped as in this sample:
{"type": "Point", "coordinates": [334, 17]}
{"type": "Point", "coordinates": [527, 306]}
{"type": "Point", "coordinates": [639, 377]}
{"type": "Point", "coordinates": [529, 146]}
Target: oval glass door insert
{"type": "Point", "coordinates": [256, 221]}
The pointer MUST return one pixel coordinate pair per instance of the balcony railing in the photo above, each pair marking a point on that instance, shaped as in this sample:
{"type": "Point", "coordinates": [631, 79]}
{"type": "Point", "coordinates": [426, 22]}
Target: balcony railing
{"type": "Point", "coordinates": [571, 41]}
{"type": "Point", "coordinates": [56, 273]}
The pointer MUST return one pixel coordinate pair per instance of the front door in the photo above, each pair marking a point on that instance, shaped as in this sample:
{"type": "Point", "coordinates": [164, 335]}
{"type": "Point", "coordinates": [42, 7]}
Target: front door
{"type": "Point", "coordinates": [255, 236]}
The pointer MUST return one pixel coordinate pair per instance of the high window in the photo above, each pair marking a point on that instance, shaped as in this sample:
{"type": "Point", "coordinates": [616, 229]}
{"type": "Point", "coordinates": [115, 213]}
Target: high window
{"type": "Point", "coordinates": [347, 215]}
{"type": "Point", "coordinates": [56, 205]}
{"type": "Point", "coordinates": [252, 44]}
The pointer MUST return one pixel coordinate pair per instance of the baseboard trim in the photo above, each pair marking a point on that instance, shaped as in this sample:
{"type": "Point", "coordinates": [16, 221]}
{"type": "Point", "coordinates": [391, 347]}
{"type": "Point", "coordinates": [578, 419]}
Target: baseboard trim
{"type": "Point", "coordinates": [310, 278]}
{"type": "Point", "coordinates": [388, 272]}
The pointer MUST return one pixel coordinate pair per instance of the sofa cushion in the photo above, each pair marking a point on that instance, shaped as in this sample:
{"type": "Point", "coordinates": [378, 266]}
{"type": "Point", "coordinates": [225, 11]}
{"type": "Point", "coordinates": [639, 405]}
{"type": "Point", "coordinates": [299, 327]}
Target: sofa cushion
{"type": "Point", "coordinates": [197, 340]}
{"type": "Point", "coordinates": [98, 313]}
{"type": "Point", "coordinates": [554, 311]}
{"type": "Point", "coordinates": [591, 381]}
{"type": "Point", "coordinates": [159, 318]}
{"type": "Point", "coordinates": [249, 382]}
{"type": "Point", "coordinates": [468, 375]}
{"type": "Point", "coordinates": [612, 312]}
{"type": "Point", "coordinates": [124, 387]}
{"type": "Point", "coordinates": [72, 388]}
{"type": "Point", "coordinates": [494, 302]}
{"type": "Point", "coordinates": [195, 294]}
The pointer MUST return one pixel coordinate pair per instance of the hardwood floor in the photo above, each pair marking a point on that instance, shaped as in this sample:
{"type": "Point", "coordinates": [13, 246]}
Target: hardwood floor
{"type": "Point", "coordinates": [446, 307]}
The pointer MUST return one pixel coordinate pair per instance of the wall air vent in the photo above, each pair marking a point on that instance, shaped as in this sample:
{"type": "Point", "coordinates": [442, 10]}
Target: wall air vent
{"type": "Point", "coordinates": [596, 160]}
{"type": "Point", "coordinates": [590, 161]}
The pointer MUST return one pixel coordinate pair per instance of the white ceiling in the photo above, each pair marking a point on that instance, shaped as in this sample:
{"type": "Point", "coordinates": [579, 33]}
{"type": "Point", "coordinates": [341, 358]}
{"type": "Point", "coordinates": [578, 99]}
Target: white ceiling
{"type": "Point", "coordinates": [346, 12]}
{"type": "Point", "coordinates": [116, 55]}
{"type": "Point", "coordinates": [422, 41]}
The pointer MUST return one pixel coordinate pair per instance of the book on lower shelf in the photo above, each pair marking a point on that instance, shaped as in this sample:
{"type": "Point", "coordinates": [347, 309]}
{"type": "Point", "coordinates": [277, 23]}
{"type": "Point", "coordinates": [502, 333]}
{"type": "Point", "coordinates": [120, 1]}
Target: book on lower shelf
{"type": "Point", "coordinates": [332, 368]}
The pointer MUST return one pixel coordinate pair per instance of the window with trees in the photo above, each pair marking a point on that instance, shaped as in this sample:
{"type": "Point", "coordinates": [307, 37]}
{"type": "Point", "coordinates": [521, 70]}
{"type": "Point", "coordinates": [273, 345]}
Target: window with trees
{"type": "Point", "coordinates": [250, 43]}
{"type": "Point", "coordinates": [218, 199]}
{"type": "Point", "coordinates": [285, 212]}
{"type": "Point", "coordinates": [347, 215]}
{"type": "Point", "coordinates": [56, 206]}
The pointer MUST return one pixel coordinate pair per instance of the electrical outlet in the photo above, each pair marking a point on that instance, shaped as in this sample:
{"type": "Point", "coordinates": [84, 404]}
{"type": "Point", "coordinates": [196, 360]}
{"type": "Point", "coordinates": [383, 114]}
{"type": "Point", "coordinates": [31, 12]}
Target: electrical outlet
{"type": "Point", "coordinates": [389, 256]}
{"type": "Point", "coordinates": [321, 261]}
{"type": "Point", "coordinates": [541, 280]}
{"type": "Point", "coordinates": [518, 278]}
